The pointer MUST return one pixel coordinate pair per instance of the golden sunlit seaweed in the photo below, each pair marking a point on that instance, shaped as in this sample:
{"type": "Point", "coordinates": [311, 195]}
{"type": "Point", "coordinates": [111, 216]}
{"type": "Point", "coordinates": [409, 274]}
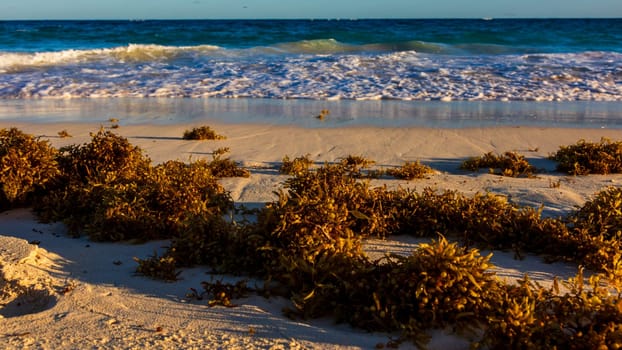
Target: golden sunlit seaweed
{"type": "Point", "coordinates": [307, 244]}
{"type": "Point", "coordinates": [63, 134]}
{"type": "Point", "coordinates": [225, 167]}
{"type": "Point", "coordinates": [531, 317]}
{"type": "Point", "coordinates": [110, 191]}
{"type": "Point", "coordinates": [410, 171]}
{"type": "Point", "coordinates": [202, 133]}
{"type": "Point", "coordinates": [510, 164]}
{"type": "Point", "coordinates": [27, 165]}
{"type": "Point", "coordinates": [584, 158]}
{"type": "Point", "coordinates": [296, 165]}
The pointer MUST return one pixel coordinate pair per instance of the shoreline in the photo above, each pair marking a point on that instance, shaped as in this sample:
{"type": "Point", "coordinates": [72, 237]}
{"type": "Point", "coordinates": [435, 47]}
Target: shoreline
{"type": "Point", "coordinates": [302, 112]}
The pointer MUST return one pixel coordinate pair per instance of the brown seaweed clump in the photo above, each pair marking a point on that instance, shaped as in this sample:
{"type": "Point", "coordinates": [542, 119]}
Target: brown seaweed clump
{"type": "Point", "coordinates": [510, 164]}
{"type": "Point", "coordinates": [410, 171]}
{"type": "Point", "coordinates": [307, 244]}
{"type": "Point", "coordinates": [225, 167]}
{"type": "Point", "coordinates": [296, 165]}
{"type": "Point", "coordinates": [110, 191]}
{"type": "Point", "coordinates": [584, 158]}
{"type": "Point", "coordinates": [595, 233]}
{"type": "Point", "coordinates": [528, 316]}
{"type": "Point", "coordinates": [27, 166]}
{"type": "Point", "coordinates": [202, 133]}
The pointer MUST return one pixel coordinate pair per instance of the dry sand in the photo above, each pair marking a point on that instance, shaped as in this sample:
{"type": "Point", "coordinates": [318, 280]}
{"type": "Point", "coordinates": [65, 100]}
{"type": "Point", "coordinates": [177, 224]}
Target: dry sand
{"type": "Point", "coordinates": [73, 294]}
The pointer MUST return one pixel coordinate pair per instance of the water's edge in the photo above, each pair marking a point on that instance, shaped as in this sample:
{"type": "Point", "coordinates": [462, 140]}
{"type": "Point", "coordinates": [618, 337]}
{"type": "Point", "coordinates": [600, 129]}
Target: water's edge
{"type": "Point", "coordinates": [344, 113]}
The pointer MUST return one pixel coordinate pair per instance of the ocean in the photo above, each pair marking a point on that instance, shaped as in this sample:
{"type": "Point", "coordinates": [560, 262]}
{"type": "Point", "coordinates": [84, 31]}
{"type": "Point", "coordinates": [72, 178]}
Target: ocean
{"type": "Point", "coordinates": [410, 62]}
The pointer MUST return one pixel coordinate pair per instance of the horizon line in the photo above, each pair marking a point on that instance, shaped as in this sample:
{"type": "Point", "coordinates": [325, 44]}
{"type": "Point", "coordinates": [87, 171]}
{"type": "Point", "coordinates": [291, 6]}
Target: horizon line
{"type": "Point", "coordinates": [304, 19]}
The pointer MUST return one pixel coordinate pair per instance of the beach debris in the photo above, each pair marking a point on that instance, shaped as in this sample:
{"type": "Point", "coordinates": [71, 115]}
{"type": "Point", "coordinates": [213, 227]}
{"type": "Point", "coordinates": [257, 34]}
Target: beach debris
{"type": "Point", "coordinates": [68, 287]}
{"type": "Point", "coordinates": [63, 134]}
{"type": "Point", "coordinates": [307, 245]}
{"type": "Point", "coordinates": [121, 196]}
{"type": "Point", "coordinates": [202, 133]}
{"type": "Point", "coordinates": [159, 267]}
{"type": "Point", "coordinates": [584, 158]}
{"type": "Point", "coordinates": [355, 162]}
{"type": "Point", "coordinates": [27, 165]}
{"type": "Point", "coordinates": [220, 151]}
{"type": "Point", "coordinates": [510, 164]}
{"type": "Point", "coordinates": [114, 123]}
{"type": "Point", "coordinates": [60, 316]}
{"type": "Point", "coordinates": [410, 171]}
{"type": "Point", "coordinates": [296, 165]}
{"type": "Point", "coordinates": [225, 167]}
{"type": "Point", "coordinates": [323, 113]}
{"type": "Point", "coordinates": [223, 293]}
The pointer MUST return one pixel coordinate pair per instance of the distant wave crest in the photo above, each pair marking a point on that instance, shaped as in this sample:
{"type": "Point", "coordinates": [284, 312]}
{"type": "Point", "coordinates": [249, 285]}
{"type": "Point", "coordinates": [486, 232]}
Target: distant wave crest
{"type": "Point", "coordinates": [15, 62]}
{"type": "Point", "coordinates": [332, 46]}
{"type": "Point", "coordinates": [11, 62]}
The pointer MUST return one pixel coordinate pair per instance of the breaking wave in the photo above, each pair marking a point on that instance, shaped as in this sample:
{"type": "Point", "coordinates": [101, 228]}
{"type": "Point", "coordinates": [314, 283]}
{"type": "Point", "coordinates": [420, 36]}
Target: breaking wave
{"type": "Point", "coordinates": [315, 69]}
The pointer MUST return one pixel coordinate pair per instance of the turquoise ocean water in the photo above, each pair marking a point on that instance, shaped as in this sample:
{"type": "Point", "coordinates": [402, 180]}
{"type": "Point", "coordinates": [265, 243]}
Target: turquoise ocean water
{"type": "Point", "coordinates": [397, 67]}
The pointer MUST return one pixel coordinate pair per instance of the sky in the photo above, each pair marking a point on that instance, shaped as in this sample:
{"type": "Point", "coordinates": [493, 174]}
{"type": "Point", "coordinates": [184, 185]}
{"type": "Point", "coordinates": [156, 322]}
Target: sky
{"type": "Point", "coordinates": [242, 9]}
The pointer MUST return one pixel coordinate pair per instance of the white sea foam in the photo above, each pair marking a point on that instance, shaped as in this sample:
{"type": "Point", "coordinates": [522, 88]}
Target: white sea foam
{"type": "Point", "coordinates": [210, 71]}
{"type": "Point", "coordinates": [16, 62]}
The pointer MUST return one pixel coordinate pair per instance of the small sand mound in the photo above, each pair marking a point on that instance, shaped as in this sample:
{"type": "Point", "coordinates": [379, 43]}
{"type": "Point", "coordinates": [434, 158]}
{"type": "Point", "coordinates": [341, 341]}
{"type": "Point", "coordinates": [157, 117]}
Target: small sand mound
{"type": "Point", "coordinates": [24, 289]}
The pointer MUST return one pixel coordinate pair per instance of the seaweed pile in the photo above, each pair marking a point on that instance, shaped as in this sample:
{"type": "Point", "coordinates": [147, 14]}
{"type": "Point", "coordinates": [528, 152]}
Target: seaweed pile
{"type": "Point", "coordinates": [307, 244]}
{"type": "Point", "coordinates": [509, 164]}
{"type": "Point", "coordinates": [583, 158]}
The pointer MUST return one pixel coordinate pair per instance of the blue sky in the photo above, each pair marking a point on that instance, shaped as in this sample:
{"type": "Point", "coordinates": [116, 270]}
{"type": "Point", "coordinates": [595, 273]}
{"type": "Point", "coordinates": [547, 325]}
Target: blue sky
{"type": "Point", "coordinates": [165, 9]}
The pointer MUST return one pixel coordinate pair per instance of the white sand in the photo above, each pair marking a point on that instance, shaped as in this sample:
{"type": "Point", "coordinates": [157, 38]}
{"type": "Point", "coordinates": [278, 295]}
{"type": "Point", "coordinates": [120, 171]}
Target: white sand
{"type": "Point", "coordinates": [74, 294]}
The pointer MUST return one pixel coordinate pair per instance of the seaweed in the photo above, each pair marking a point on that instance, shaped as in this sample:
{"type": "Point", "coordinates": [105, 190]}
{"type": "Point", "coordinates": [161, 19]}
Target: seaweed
{"type": "Point", "coordinates": [296, 165]}
{"type": "Point", "coordinates": [28, 166]}
{"type": "Point", "coordinates": [307, 244]}
{"type": "Point", "coordinates": [510, 164]}
{"type": "Point", "coordinates": [110, 191]}
{"type": "Point", "coordinates": [584, 158]}
{"type": "Point", "coordinates": [410, 171]}
{"type": "Point", "coordinates": [202, 133]}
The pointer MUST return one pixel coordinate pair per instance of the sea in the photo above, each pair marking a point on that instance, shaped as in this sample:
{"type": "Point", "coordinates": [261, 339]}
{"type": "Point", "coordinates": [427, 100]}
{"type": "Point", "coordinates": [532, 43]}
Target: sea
{"type": "Point", "coordinates": [446, 72]}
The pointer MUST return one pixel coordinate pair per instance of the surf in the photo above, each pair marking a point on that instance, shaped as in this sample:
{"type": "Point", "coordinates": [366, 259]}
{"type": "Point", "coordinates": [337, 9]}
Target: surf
{"type": "Point", "coordinates": [15, 62]}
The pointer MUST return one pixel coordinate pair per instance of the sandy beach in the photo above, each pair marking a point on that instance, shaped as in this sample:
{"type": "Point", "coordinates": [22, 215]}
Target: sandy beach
{"type": "Point", "coordinates": [63, 292]}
